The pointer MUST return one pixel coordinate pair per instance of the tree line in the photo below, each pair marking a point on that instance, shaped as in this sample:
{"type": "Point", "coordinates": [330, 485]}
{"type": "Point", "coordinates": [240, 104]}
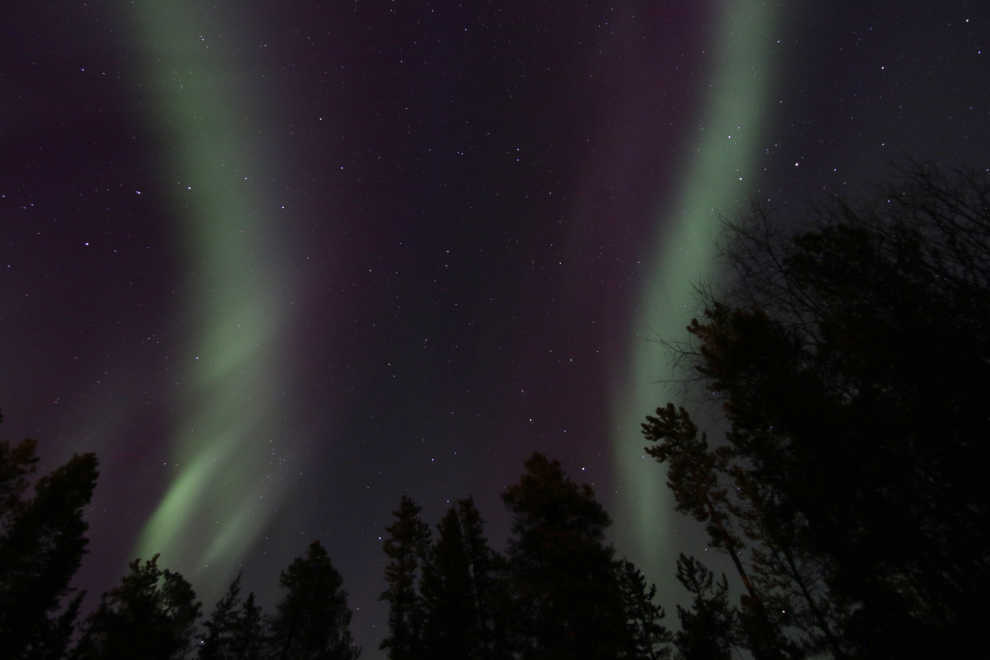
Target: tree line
{"type": "Point", "coordinates": [558, 591]}
{"type": "Point", "coordinates": [850, 356]}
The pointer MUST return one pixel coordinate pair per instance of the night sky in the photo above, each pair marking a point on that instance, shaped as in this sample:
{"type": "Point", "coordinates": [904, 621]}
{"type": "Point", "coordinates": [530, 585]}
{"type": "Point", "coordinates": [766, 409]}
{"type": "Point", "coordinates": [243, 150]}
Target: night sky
{"type": "Point", "coordinates": [279, 263]}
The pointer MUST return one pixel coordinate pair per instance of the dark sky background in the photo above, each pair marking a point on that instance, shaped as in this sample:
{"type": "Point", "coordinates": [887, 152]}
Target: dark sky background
{"type": "Point", "coordinates": [279, 263]}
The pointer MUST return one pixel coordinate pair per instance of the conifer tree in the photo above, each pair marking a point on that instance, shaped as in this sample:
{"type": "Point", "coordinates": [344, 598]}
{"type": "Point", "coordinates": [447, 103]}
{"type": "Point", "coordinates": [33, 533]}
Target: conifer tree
{"type": "Point", "coordinates": [852, 359]}
{"type": "Point", "coordinates": [464, 592]}
{"type": "Point", "coordinates": [250, 638]}
{"type": "Point", "coordinates": [646, 637]}
{"type": "Point", "coordinates": [42, 543]}
{"type": "Point", "coordinates": [699, 477]}
{"type": "Point", "coordinates": [312, 620]}
{"type": "Point", "coordinates": [235, 629]}
{"type": "Point", "coordinates": [407, 546]}
{"type": "Point", "coordinates": [450, 608]}
{"type": "Point", "coordinates": [489, 582]}
{"type": "Point", "coordinates": [219, 628]}
{"type": "Point", "coordinates": [151, 615]}
{"type": "Point", "coordinates": [707, 629]}
{"type": "Point", "coordinates": [567, 595]}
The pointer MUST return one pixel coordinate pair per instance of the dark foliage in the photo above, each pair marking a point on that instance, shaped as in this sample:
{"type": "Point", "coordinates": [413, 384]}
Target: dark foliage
{"type": "Point", "coordinates": [645, 637]}
{"type": "Point", "coordinates": [464, 590]}
{"type": "Point", "coordinates": [707, 629]}
{"type": "Point", "coordinates": [559, 593]}
{"type": "Point", "coordinates": [42, 543]}
{"type": "Point", "coordinates": [451, 628]}
{"type": "Point", "coordinates": [491, 597]}
{"type": "Point", "coordinates": [312, 620]}
{"type": "Point", "coordinates": [151, 615]}
{"type": "Point", "coordinates": [407, 547]}
{"type": "Point", "coordinates": [568, 596]}
{"type": "Point", "coordinates": [235, 629]}
{"type": "Point", "coordinates": [852, 358]}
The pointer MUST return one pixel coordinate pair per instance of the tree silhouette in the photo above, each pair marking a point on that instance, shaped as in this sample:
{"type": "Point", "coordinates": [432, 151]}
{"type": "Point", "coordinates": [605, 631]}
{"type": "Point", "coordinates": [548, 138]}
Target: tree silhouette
{"type": "Point", "coordinates": [250, 638]}
{"type": "Point", "coordinates": [707, 629]}
{"type": "Point", "coordinates": [700, 478]}
{"type": "Point", "coordinates": [312, 620]}
{"type": "Point", "coordinates": [407, 546]}
{"type": "Point", "coordinates": [568, 597]}
{"type": "Point", "coordinates": [693, 474]}
{"type": "Point", "coordinates": [852, 359]}
{"type": "Point", "coordinates": [42, 543]}
{"type": "Point", "coordinates": [464, 590]}
{"type": "Point", "coordinates": [489, 585]}
{"type": "Point", "coordinates": [151, 615]}
{"type": "Point", "coordinates": [646, 637]}
{"type": "Point", "coordinates": [235, 629]}
{"type": "Point", "coordinates": [451, 618]}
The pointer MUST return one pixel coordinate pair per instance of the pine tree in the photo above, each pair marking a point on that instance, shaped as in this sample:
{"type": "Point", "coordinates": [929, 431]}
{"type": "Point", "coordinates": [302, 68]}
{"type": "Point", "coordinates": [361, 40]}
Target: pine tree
{"type": "Point", "coordinates": [235, 630]}
{"type": "Point", "coordinates": [449, 604]}
{"type": "Point", "coordinates": [151, 615]}
{"type": "Point", "coordinates": [707, 629]}
{"type": "Point", "coordinates": [489, 582]}
{"type": "Point", "coordinates": [219, 628]}
{"type": "Point", "coordinates": [646, 637]}
{"type": "Point", "coordinates": [699, 477]}
{"type": "Point", "coordinates": [250, 639]}
{"type": "Point", "coordinates": [852, 359]}
{"type": "Point", "coordinates": [312, 620]}
{"type": "Point", "coordinates": [695, 475]}
{"type": "Point", "coordinates": [42, 543]}
{"type": "Point", "coordinates": [407, 546]}
{"type": "Point", "coordinates": [567, 595]}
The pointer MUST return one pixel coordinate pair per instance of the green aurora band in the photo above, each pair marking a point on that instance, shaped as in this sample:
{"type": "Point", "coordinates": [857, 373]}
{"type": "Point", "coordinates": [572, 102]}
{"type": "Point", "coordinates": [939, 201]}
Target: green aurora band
{"type": "Point", "coordinates": [718, 177]}
{"type": "Point", "coordinates": [228, 460]}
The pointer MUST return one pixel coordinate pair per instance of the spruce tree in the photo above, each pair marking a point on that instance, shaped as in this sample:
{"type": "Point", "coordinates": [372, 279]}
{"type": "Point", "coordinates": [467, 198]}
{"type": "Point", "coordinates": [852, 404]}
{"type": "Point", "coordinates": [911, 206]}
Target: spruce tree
{"type": "Point", "coordinates": [852, 359]}
{"type": "Point", "coordinates": [250, 638]}
{"type": "Point", "coordinates": [646, 637]}
{"type": "Point", "coordinates": [151, 615]}
{"type": "Point", "coordinates": [567, 595]}
{"type": "Point", "coordinates": [235, 629]}
{"type": "Point", "coordinates": [312, 619]}
{"type": "Point", "coordinates": [708, 628]}
{"type": "Point", "coordinates": [42, 543]}
{"type": "Point", "coordinates": [407, 546]}
{"type": "Point", "coordinates": [219, 627]}
{"type": "Point", "coordinates": [450, 607]}
{"type": "Point", "coordinates": [489, 584]}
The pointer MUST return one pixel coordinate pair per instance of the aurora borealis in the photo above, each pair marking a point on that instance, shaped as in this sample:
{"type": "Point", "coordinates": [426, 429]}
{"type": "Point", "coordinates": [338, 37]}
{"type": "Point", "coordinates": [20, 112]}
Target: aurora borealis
{"type": "Point", "coordinates": [280, 263]}
{"type": "Point", "coordinates": [229, 230]}
{"type": "Point", "coordinates": [684, 242]}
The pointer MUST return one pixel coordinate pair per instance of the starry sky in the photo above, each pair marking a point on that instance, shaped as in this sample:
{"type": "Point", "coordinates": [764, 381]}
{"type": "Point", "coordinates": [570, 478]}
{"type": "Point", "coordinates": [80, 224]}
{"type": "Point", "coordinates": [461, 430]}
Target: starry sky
{"type": "Point", "coordinates": [280, 263]}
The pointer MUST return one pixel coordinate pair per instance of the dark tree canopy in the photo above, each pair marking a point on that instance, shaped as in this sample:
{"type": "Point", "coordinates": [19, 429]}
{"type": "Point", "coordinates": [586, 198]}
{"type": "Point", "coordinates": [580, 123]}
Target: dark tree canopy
{"type": "Point", "coordinates": [568, 598]}
{"type": "Point", "coordinates": [235, 629]}
{"type": "Point", "coordinates": [42, 543]}
{"type": "Point", "coordinates": [448, 599]}
{"type": "Point", "coordinates": [406, 546]}
{"type": "Point", "coordinates": [151, 615]}
{"type": "Point", "coordinates": [852, 359]}
{"type": "Point", "coordinates": [452, 619]}
{"type": "Point", "coordinates": [646, 638]}
{"type": "Point", "coordinates": [707, 628]}
{"type": "Point", "coordinates": [312, 620]}
{"type": "Point", "coordinates": [490, 592]}
{"type": "Point", "coordinates": [559, 593]}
